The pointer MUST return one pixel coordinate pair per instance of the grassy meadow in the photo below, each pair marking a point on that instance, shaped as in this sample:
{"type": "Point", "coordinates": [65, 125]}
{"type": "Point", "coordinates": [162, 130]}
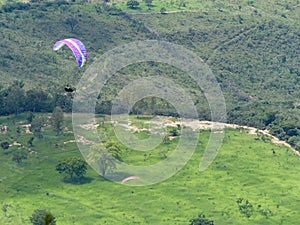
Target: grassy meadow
{"type": "Point", "coordinates": [245, 167]}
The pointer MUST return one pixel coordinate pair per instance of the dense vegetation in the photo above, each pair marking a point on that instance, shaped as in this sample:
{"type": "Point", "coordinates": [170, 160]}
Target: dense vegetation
{"type": "Point", "coordinates": [252, 48]}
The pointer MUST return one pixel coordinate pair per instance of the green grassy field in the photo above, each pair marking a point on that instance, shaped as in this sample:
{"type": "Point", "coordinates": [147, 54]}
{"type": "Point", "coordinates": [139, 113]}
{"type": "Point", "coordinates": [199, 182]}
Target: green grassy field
{"type": "Point", "coordinates": [244, 168]}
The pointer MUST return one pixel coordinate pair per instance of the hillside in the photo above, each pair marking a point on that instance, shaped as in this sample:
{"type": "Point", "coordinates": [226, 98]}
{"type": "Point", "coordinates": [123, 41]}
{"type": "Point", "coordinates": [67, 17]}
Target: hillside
{"type": "Point", "coordinates": [247, 167]}
{"type": "Point", "coordinates": [251, 47]}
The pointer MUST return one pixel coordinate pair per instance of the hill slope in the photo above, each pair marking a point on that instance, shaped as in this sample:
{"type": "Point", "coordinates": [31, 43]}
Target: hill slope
{"type": "Point", "coordinates": [252, 48]}
{"type": "Point", "coordinates": [246, 168]}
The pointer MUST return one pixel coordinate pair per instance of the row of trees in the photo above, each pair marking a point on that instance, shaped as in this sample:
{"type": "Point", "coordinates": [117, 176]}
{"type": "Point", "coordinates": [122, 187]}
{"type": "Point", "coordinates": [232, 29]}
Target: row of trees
{"type": "Point", "coordinates": [15, 99]}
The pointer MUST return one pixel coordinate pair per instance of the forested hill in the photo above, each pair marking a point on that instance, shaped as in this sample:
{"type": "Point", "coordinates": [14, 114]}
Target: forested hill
{"type": "Point", "coordinates": [252, 48]}
{"type": "Point", "coordinates": [28, 32]}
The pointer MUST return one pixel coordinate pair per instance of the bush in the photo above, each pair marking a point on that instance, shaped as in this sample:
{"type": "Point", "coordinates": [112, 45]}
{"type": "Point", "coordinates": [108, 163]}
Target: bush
{"type": "Point", "coordinates": [42, 217]}
{"type": "Point", "coordinates": [4, 145]}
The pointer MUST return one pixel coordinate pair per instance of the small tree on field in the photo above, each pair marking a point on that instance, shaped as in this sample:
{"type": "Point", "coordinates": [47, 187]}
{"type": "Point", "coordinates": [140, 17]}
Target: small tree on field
{"type": "Point", "coordinates": [74, 167]}
{"type": "Point", "coordinates": [102, 158]}
{"type": "Point", "coordinates": [201, 220]}
{"type": "Point", "coordinates": [148, 3]}
{"type": "Point", "coordinates": [42, 217]}
{"type": "Point", "coordinates": [19, 155]}
{"type": "Point", "coordinates": [4, 145]}
{"type": "Point", "coordinates": [30, 141]}
{"type": "Point", "coordinates": [245, 207]}
{"type": "Point", "coordinates": [163, 10]}
{"type": "Point", "coordinates": [36, 126]}
{"type": "Point", "coordinates": [57, 120]}
{"type": "Point", "coordinates": [132, 4]}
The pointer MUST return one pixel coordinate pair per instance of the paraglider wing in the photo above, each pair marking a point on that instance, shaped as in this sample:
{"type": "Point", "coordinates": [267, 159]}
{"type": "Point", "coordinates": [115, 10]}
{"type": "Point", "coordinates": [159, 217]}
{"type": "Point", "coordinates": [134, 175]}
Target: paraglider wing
{"type": "Point", "coordinates": [77, 48]}
{"type": "Point", "coordinates": [129, 178]}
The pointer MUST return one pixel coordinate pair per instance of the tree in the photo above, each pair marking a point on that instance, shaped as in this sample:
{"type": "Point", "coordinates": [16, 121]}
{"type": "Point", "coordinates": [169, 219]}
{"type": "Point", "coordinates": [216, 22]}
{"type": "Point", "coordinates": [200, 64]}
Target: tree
{"type": "Point", "coordinates": [245, 207]}
{"type": "Point", "coordinates": [74, 167]}
{"type": "Point", "coordinates": [30, 141]}
{"type": "Point", "coordinates": [132, 4]}
{"type": "Point", "coordinates": [42, 217]}
{"type": "Point", "coordinates": [163, 10]}
{"type": "Point", "coordinates": [19, 155]}
{"type": "Point", "coordinates": [38, 100]}
{"type": "Point", "coordinates": [101, 158]}
{"type": "Point", "coordinates": [63, 101]}
{"type": "Point", "coordinates": [4, 208]}
{"type": "Point", "coordinates": [114, 150]}
{"type": "Point", "coordinates": [72, 22]}
{"type": "Point", "coordinates": [15, 98]}
{"type": "Point", "coordinates": [4, 145]}
{"type": "Point", "coordinates": [57, 119]}
{"type": "Point", "coordinates": [148, 3]}
{"type": "Point", "coordinates": [36, 126]}
{"type": "Point", "coordinates": [201, 221]}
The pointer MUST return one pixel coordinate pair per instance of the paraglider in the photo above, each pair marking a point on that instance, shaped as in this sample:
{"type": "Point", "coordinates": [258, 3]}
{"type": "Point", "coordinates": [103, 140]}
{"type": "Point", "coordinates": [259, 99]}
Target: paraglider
{"type": "Point", "coordinates": [68, 89]}
{"type": "Point", "coordinates": [129, 178]}
{"type": "Point", "coordinates": [77, 47]}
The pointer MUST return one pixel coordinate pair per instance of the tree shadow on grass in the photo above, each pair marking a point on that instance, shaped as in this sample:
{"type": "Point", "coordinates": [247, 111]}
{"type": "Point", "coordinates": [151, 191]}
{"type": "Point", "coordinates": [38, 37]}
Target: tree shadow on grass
{"type": "Point", "coordinates": [78, 181]}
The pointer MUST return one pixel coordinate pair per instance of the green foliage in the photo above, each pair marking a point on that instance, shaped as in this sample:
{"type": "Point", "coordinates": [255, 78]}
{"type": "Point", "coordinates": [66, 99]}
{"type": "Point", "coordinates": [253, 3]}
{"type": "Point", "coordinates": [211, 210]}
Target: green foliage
{"type": "Point", "coordinates": [42, 217]}
{"type": "Point", "coordinates": [114, 149]}
{"type": "Point", "coordinates": [102, 159]}
{"type": "Point", "coordinates": [148, 3]}
{"type": "Point", "coordinates": [132, 4]}
{"type": "Point", "coordinates": [15, 98]}
{"type": "Point", "coordinates": [19, 155]}
{"type": "Point", "coordinates": [246, 45]}
{"type": "Point", "coordinates": [73, 167]}
{"type": "Point", "coordinates": [295, 142]}
{"type": "Point", "coordinates": [36, 126]}
{"type": "Point", "coordinates": [173, 131]}
{"type": "Point", "coordinates": [57, 120]}
{"type": "Point", "coordinates": [4, 208]}
{"type": "Point", "coordinates": [4, 145]}
{"type": "Point", "coordinates": [201, 220]}
{"type": "Point", "coordinates": [245, 207]}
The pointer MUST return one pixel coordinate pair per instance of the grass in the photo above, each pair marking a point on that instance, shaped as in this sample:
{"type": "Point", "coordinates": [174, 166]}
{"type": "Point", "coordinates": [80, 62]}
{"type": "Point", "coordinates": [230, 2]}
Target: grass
{"type": "Point", "coordinates": [287, 7]}
{"type": "Point", "coordinates": [244, 168]}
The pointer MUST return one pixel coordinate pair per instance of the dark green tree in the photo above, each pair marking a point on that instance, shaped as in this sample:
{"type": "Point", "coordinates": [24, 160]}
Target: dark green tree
{"type": "Point", "coordinates": [30, 141]}
{"type": "Point", "coordinates": [73, 167]}
{"type": "Point", "coordinates": [114, 149]}
{"type": "Point", "coordinates": [148, 3]}
{"type": "Point", "coordinates": [36, 126]}
{"type": "Point", "coordinates": [201, 220]}
{"type": "Point", "coordinates": [163, 10]}
{"type": "Point", "coordinates": [245, 207]}
{"type": "Point", "coordinates": [42, 217]}
{"type": "Point", "coordinates": [19, 155]}
{"type": "Point", "coordinates": [132, 4]}
{"type": "Point", "coordinates": [57, 119]}
{"type": "Point", "coordinates": [38, 100]}
{"type": "Point", "coordinates": [15, 98]}
{"type": "Point", "coordinates": [101, 158]}
{"type": "Point", "coordinates": [63, 101]}
{"type": "Point", "coordinates": [72, 22]}
{"type": "Point", "coordinates": [4, 145]}
{"type": "Point", "coordinates": [30, 117]}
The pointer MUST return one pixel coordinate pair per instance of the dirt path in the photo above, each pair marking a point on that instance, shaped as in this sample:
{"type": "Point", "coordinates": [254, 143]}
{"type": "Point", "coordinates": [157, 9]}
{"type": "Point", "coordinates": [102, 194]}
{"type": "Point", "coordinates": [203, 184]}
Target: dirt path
{"type": "Point", "coordinates": [206, 125]}
{"type": "Point", "coordinates": [194, 125]}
